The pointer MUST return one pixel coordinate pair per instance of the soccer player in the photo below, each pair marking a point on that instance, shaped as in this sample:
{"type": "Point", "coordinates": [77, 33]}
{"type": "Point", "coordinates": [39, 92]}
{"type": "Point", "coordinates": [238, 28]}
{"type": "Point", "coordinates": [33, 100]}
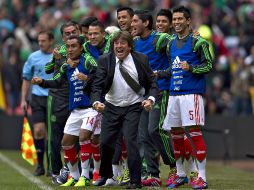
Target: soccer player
{"type": "Point", "coordinates": [83, 119]}
{"type": "Point", "coordinates": [124, 18]}
{"type": "Point", "coordinates": [58, 106]}
{"type": "Point", "coordinates": [67, 29]}
{"type": "Point", "coordinates": [152, 136]}
{"type": "Point", "coordinates": [190, 60]}
{"type": "Point", "coordinates": [163, 21]}
{"type": "Point", "coordinates": [34, 66]}
{"type": "Point", "coordinates": [164, 25]}
{"type": "Point", "coordinates": [98, 42]}
{"type": "Point", "coordinates": [84, 24]}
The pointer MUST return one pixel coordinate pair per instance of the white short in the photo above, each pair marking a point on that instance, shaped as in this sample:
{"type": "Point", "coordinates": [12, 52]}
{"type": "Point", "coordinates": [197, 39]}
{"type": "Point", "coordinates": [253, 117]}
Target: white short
{"type": "Point", "coordinates": [98, 121]}
{"type": "Point", "coordinates": [82, 118]}
{"type": "Point", "coordinates": [184, 110]}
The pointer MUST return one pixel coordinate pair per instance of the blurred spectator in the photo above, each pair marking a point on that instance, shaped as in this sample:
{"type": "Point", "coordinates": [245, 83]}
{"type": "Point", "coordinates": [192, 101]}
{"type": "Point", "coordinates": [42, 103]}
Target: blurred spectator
{"type": "Point", "coordinates": [240, 86]}
{"type": "Point", "coordinates": [12, 80]}
{"type": "Point", "coordinates": [249, 60]}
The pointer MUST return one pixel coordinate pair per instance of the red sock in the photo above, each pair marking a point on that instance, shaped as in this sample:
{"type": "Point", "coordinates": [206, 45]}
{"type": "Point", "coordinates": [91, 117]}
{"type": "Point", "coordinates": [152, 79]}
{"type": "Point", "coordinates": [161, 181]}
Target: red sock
{"type": "Point", "coordinates": [85, 150]}
{"type": "Point", "coordinates": [178, 143]}
{"type": "Point", "coordinates": [124, 150]}
{"type": "Point", "coordinates": [70, 154]}
{"type": "Point", "coordinates": [96, 152]}
{"type": "Point", "coordinates": [187, 148]}
{"type": "Point", "coordinates": [199, 144]}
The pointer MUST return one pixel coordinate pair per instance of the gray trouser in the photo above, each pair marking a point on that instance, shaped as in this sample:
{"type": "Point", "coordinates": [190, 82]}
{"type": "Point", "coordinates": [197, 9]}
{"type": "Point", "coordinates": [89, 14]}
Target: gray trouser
{"type": "Point", "coordinates": [153, 138]}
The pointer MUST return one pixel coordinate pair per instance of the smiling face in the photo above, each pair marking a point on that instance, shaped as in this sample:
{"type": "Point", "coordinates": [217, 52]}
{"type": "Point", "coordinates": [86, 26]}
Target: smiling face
{"type": "Point", "coordinates": [180, 23]}
{"type": "Point", "coordinates": [96, 35]}
{"type": "Point", "coordinates": [124, 20]}
{"type": "Point", "coordinates": [121, 48]}
{"type": "Point", "coordinates": [162, 24]}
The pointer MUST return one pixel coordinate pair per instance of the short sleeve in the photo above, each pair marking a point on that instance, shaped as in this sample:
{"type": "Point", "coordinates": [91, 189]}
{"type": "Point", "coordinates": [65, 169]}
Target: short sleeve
{"type": "Point", "coordinates": [28, 69]}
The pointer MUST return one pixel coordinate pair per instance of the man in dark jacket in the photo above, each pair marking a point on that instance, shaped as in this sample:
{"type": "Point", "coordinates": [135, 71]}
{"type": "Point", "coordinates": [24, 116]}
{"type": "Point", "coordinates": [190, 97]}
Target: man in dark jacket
{"type": "Point", "coordinates": [125, 78]}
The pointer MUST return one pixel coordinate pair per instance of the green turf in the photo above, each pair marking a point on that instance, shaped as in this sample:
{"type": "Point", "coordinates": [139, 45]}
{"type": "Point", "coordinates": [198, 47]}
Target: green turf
{"type": "Point", "coordinates": [218, 176]}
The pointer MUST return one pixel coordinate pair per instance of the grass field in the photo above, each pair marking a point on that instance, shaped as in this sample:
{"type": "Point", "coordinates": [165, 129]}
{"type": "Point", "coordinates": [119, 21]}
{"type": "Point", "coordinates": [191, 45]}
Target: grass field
{"type": "Point", "coordinates": [218, 175]}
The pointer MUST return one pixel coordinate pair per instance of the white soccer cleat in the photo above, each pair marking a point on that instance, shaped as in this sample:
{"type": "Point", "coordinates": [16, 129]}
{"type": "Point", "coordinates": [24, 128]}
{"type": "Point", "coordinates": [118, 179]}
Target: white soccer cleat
{"type": "Point", "coordinates": [111, 182]}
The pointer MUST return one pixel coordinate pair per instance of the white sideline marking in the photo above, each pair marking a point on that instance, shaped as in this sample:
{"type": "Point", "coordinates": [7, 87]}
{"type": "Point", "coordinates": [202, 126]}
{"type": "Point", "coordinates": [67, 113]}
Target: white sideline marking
{"type": "Point", "coordinates": [25, 173]}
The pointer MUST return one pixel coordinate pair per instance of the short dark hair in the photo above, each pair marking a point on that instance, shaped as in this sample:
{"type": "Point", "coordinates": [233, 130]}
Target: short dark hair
{"type": "Point", "coordinates": [87, 21]}
{"type": "Point", "coordinates": [124, 35]}
{"type": "Point", "coordinates": [69, 23]}
{"type": "Point", "coordinates": [165, 12]}
{"type": "Point", "coordinates": [78, 38]}
{"type": "Point", "coordinates": [48, 33]}
{"type": "Point", "coordinates": [99, 24]}
{"type": "Point", "coordinates": [145, 15]}
{"type": "Point", "coordinates": [128, 9]}
{"type": "Point", "coordinates": [182, 9]}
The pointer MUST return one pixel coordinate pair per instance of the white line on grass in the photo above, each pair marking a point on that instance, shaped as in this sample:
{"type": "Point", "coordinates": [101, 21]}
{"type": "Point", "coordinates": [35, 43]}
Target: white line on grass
{"type": "Point", "coordinates": [25, 173]}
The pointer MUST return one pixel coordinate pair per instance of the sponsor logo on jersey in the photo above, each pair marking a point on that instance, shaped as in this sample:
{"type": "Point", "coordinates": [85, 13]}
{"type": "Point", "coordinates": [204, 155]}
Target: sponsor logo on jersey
{"type": "Point", "coordinates": [176, 63]}
{"type": "Point", "coordinates": [73, 76]}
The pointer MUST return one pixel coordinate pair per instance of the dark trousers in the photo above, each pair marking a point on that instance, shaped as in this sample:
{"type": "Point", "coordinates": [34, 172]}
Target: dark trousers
{"type": "Point", "coordinates": [58, 113]}
{"type": "Point", "coordinates": [39, 114]}
{"type": "Point", "coordinates": [118, 149]}
{"type": "Point", "coordinates": [154, 138]}
{"type": "Point", "coordinates": [114, 120]}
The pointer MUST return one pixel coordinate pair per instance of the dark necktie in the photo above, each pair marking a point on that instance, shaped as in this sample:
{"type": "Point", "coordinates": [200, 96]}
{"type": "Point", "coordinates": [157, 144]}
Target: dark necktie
{"type": "Point", "coordinates": [129, 80]}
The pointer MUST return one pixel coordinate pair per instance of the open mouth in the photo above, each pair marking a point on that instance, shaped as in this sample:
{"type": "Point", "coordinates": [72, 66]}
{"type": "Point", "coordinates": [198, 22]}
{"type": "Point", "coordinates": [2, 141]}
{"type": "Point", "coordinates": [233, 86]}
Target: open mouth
{"type": "Point", "coordinates": [160, 28]}
{"type": "Point", "coordinates": [122, 25]}
{"type": "Point", "coordinates": [177, 27]}
{"type": "Point", "coordinates": [134, 30]}
{"type": "Point", "coordinates": [120, 52]}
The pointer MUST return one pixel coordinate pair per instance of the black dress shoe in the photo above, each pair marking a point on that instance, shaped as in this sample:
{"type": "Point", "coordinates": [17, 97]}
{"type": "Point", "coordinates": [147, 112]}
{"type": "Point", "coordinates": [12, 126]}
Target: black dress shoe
{"type": "Point", "coordinates": [49, 173]}
{"type": "Point", "coordinates": [134, 186]}
{"type": "Point", "coordinates": [39, 171]}
{"type": "Point", "coordinates": [101, 181]}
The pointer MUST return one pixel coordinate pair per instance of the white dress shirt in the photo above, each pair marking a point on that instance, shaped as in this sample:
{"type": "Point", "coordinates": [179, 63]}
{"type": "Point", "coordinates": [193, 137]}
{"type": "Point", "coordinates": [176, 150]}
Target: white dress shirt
{"type": "Point", "coordinates": [120, 93]}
